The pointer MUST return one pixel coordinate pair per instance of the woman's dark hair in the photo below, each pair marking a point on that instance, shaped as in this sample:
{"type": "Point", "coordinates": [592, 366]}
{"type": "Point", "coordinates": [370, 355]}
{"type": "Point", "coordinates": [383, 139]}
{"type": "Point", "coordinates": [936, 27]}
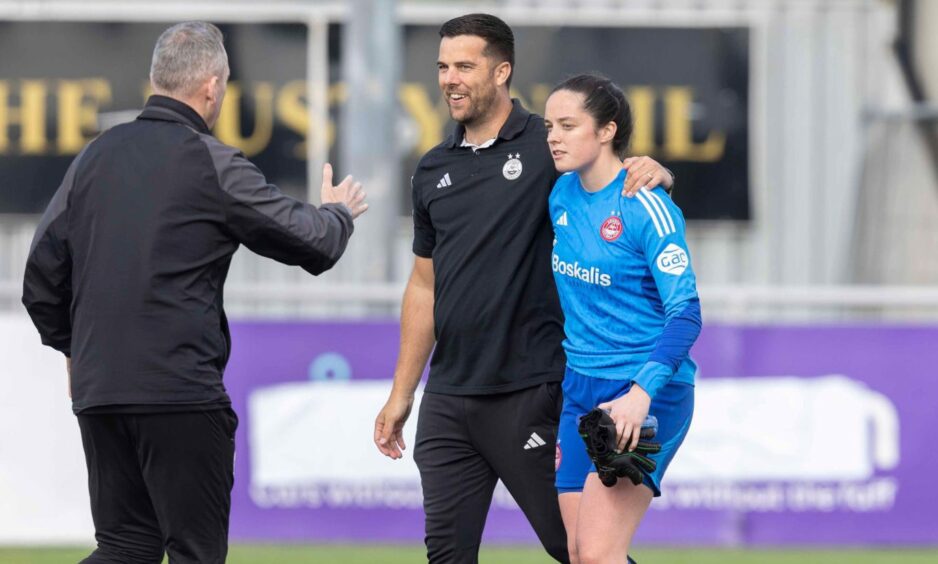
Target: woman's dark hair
{"type": "Point", "coordinates": [603, 100]}
{"type": "Point", "coordinates": [499, 39]}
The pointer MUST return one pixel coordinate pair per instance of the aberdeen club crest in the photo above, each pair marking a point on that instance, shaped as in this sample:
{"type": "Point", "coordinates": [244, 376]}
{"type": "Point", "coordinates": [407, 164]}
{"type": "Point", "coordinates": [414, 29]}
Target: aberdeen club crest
{"type": "Point", "coordinates": [512, 169]}
{"type": "Point", "coordinates": [611, 228]}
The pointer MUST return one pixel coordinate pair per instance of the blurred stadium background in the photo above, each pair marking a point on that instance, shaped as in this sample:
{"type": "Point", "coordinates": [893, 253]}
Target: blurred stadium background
{"type": "Point", "coordinates": [804, 138]}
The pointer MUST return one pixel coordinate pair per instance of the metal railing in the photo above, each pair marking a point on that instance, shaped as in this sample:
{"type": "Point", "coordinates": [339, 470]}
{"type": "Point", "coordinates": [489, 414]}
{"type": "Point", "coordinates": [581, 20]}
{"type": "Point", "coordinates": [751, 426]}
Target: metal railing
{"type": "Point", "coordinates": [790, 304]}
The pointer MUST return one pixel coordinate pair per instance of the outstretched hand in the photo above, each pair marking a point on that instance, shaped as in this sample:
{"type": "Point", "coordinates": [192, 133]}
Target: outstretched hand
{"type": "Point", "coordinates": [348, 193]}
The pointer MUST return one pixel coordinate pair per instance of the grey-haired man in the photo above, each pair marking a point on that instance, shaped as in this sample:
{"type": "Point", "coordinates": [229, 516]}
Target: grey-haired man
{"type": "Point", "coordinates": [125, 277]}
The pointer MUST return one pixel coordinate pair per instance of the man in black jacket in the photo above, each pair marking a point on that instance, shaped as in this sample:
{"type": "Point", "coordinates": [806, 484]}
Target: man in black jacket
{"type": "Point", "coordinates": [125, 277]}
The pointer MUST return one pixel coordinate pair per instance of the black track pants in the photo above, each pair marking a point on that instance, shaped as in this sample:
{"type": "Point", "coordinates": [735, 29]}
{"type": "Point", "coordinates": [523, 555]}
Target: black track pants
{"type": "Point", "coordinates": [465, 444]}
{"type": "Point", "coordinates": [160, 482]}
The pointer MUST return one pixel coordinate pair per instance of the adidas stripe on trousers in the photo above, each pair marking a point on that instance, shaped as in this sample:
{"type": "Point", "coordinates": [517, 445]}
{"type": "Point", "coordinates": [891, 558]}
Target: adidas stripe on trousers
{"type": "Point", "coordinates": [465, 444]}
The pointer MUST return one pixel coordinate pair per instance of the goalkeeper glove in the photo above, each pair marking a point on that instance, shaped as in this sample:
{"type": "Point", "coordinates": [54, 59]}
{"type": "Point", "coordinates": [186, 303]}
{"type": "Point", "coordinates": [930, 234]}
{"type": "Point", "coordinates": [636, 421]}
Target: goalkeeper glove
{"type": "Point", "coordinates": [598, 431]}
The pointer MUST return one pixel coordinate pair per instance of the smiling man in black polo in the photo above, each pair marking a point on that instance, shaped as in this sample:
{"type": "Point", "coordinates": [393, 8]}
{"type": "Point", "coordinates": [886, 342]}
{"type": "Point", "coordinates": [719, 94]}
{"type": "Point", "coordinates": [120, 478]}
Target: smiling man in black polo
{"type": "Point", "coordinates": [482, 292]}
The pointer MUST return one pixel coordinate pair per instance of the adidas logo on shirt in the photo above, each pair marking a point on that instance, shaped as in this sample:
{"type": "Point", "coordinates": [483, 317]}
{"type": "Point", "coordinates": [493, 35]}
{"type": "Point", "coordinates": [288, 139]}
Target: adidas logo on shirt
{"type": "Point", "coordinates": [444, 182]}
{"type": "Point", "coordinates": [563, 220]}
{"type": "Point", "coordinates": [534, 441]}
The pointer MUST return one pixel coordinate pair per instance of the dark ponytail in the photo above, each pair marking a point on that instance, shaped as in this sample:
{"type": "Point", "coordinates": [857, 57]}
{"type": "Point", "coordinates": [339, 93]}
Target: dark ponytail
{"type": "Point", "coordinates": [605, 102]}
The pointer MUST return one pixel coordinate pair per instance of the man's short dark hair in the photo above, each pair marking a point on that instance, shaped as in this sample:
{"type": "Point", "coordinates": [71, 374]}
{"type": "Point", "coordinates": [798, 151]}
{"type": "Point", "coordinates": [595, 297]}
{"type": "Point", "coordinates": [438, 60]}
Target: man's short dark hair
{"type": "Point", "coordinates": [499, 39]}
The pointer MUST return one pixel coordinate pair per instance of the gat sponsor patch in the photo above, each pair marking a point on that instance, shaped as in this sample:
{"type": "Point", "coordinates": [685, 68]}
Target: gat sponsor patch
{"type": "Point", "coordinates": [673, 260]}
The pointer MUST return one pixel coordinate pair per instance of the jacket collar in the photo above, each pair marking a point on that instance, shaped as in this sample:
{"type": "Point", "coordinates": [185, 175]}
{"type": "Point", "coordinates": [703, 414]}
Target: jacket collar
{"type": "Point", "coordinates": [164, 108]}
{"type": "Point", "coordinates": [513, 126]}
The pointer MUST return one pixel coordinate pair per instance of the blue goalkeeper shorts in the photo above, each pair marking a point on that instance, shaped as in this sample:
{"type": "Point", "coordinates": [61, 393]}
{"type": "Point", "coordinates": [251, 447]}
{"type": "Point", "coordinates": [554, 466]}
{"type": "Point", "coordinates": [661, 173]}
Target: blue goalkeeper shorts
{"type": "Point", "coordinates": [673, 406]}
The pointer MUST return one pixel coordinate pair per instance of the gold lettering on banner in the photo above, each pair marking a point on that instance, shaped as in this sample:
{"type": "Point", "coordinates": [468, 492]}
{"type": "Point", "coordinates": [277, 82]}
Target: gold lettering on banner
{"type": "Point", "coordinates": [335, 97]}
{"type": "Point", "coordinates": [678, 131]}
{"type": "Point", "coordinates": [540, 92]}
{"type": "Point", "coordinates": [79, 102]}
{"type": "Point", "coordinates": [677, 104]}
{"type": "Point", "coordinates": [24, 107]}
{"type": "Point", "coordinates": [293, 111]}
{"type": "Point", "coordinates": [228, 127]}
{"type": "Point", "coordinates": [30, 117]}
{"type": "Point", "coordinates": [642, 101]}
{"type": "Point", "coordinates": [417, 102]}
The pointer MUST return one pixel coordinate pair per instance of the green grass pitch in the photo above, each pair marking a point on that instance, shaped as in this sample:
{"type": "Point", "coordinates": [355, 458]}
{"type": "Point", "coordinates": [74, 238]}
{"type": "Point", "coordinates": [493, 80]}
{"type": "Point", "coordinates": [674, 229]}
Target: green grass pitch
{"type": "Point", "coordinates": [329, 554]}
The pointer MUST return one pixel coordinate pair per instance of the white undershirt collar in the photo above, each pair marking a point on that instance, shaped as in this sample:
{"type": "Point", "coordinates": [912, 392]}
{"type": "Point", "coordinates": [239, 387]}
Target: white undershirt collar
{"type": "Point", "coordinates": [474, 147]}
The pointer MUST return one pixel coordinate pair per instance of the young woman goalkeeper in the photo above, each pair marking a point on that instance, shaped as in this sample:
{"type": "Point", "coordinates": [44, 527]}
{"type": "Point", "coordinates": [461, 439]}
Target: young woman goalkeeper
{"type": "Point", "coordinates": [632, 313]}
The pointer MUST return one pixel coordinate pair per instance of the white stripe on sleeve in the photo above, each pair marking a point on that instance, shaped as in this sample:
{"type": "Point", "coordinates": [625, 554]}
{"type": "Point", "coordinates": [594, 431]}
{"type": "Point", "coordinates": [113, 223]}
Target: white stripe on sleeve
{"type": "Point", "coordinates": [658, 210]}
{"type": "Point", "coordinates": [654, 218]}
{"type": "Point", "coordinates": [664, 208]}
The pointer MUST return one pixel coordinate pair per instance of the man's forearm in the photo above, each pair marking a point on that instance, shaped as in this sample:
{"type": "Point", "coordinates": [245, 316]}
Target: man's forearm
{"type": "Point", "coordinates": [417, 338]}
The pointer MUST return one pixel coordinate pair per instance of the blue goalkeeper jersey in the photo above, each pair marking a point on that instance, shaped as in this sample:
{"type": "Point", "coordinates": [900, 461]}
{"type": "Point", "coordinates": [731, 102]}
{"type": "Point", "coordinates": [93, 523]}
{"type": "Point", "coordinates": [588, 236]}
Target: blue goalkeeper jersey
{"type": "Point", "coordinates": [623, 272]}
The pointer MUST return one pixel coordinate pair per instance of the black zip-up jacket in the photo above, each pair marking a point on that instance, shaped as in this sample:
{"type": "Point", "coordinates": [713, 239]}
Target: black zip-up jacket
{"type": "Point", "coordinates": [125, 274]}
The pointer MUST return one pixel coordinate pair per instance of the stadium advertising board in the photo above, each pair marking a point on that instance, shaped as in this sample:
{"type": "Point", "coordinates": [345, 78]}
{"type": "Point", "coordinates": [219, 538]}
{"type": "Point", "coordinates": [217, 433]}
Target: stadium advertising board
{"type": "Point", "coordinates": [800, 436]}
{"type": "Point", "coordinates": [813, 435]}
{"type": "Point", "coordinates": [688, 88]}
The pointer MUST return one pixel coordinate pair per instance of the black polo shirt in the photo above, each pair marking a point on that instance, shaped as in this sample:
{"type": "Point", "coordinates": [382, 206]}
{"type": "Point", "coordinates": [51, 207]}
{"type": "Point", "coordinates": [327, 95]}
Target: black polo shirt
{"type": "Point", "coordinates": [481, 215]}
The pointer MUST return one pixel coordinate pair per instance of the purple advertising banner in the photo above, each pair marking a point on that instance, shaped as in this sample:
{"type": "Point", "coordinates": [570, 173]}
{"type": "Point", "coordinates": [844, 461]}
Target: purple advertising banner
{"type": "Point", "coordinates": [801, 435]}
